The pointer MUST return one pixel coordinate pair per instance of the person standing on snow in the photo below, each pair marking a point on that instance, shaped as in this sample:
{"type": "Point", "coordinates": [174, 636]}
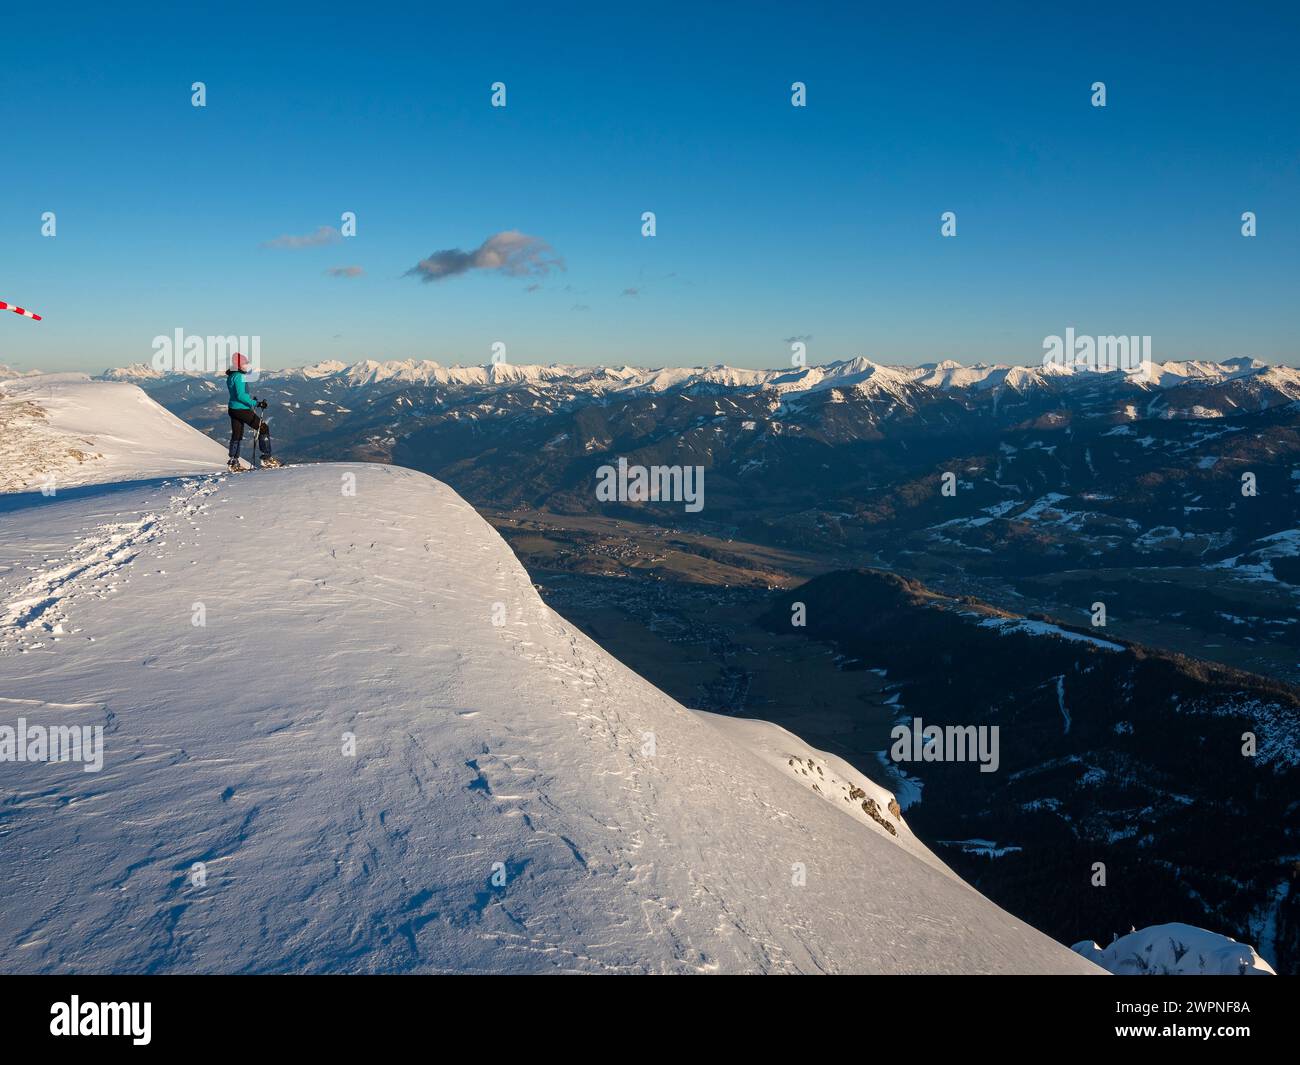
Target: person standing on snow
{"type": "Point", "coordinates": [243, 409]}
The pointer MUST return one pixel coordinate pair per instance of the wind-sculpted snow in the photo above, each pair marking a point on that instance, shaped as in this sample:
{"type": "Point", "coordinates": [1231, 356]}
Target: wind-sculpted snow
{"type": "Point", "coordinates": [1176, 950]}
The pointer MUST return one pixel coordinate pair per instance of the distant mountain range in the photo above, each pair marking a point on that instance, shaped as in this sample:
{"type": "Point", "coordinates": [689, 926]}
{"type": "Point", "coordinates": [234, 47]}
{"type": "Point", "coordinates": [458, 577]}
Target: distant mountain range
{"type": "Point", "coordinates": [1194, 464]}
{"type": "Point", "coordinates": [1172, 498]}
{"type": "Point", "coordinates": [859, 373]}
{"type": "Point", "coordinates": [1240, 381]}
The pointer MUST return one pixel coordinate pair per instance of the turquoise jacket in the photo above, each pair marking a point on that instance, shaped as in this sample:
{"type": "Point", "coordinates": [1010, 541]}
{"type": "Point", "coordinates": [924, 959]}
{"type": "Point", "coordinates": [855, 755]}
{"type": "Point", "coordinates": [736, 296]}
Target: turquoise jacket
{"type": "Point", "coordinates": [239, 397]}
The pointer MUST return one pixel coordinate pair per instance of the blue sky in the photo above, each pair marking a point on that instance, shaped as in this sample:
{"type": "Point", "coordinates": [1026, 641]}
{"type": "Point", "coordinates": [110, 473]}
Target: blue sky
{"type": "Point", "coordinates": [773, 222]}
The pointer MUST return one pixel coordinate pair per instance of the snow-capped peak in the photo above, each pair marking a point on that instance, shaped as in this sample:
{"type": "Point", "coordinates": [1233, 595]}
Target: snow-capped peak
{"type": "Point", "coordinates": [137, 371]}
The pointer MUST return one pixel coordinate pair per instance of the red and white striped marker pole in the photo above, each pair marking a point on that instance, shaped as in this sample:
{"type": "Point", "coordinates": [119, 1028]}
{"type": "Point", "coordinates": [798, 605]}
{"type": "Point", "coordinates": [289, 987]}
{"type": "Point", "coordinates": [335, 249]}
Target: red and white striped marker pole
{"type": "Point", "coordinates": [19, 310]}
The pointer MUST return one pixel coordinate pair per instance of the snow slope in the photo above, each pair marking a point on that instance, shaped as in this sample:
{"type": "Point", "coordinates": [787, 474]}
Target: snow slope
{"type": "Point", "coordinates": [517, 801]}
{"type": "Point", "coordinates": [63, 430]}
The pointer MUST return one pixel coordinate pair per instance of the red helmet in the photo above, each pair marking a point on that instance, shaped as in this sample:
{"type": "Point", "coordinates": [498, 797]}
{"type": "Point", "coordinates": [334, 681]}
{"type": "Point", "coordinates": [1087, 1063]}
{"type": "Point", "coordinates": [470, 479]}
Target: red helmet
{"type": "Point", "coordinates": [242, 362]}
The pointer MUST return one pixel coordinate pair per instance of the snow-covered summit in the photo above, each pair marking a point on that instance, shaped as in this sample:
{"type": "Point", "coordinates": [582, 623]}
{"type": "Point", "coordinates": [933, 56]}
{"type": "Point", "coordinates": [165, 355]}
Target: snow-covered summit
{"type": "Point", "coordinates": [341, 732]}
{"type": "Point", "coordinates": [137, 371]}
{"type": "Point", "coordinates": [62, 430]}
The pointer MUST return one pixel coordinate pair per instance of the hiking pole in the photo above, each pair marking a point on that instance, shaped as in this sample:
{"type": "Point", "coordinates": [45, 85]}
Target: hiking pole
{"type": "Point", "coordinates": [257, 430]}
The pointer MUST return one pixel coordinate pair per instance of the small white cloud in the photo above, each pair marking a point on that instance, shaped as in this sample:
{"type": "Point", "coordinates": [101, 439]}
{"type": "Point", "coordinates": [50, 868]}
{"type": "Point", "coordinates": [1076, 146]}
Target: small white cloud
{"type": "Point", "coordinates": [323, 235]}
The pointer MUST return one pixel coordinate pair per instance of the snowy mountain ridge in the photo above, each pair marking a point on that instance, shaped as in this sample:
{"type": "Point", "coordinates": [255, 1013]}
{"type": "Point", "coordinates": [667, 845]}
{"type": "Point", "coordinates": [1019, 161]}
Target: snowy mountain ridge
{"type": "Point", "coordinates": [342, 733]}
{"type": "Point", "coordinates": [857, 373]}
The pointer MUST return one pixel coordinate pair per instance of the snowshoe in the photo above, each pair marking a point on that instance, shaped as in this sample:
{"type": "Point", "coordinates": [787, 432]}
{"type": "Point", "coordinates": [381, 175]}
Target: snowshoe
{"type": "Point", "coordinates": [269, 463]}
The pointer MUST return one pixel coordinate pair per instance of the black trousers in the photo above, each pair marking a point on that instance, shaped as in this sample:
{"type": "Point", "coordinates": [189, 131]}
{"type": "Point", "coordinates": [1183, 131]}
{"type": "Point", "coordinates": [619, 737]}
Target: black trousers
{"type": "Point", "coordinates": [240, 417]}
